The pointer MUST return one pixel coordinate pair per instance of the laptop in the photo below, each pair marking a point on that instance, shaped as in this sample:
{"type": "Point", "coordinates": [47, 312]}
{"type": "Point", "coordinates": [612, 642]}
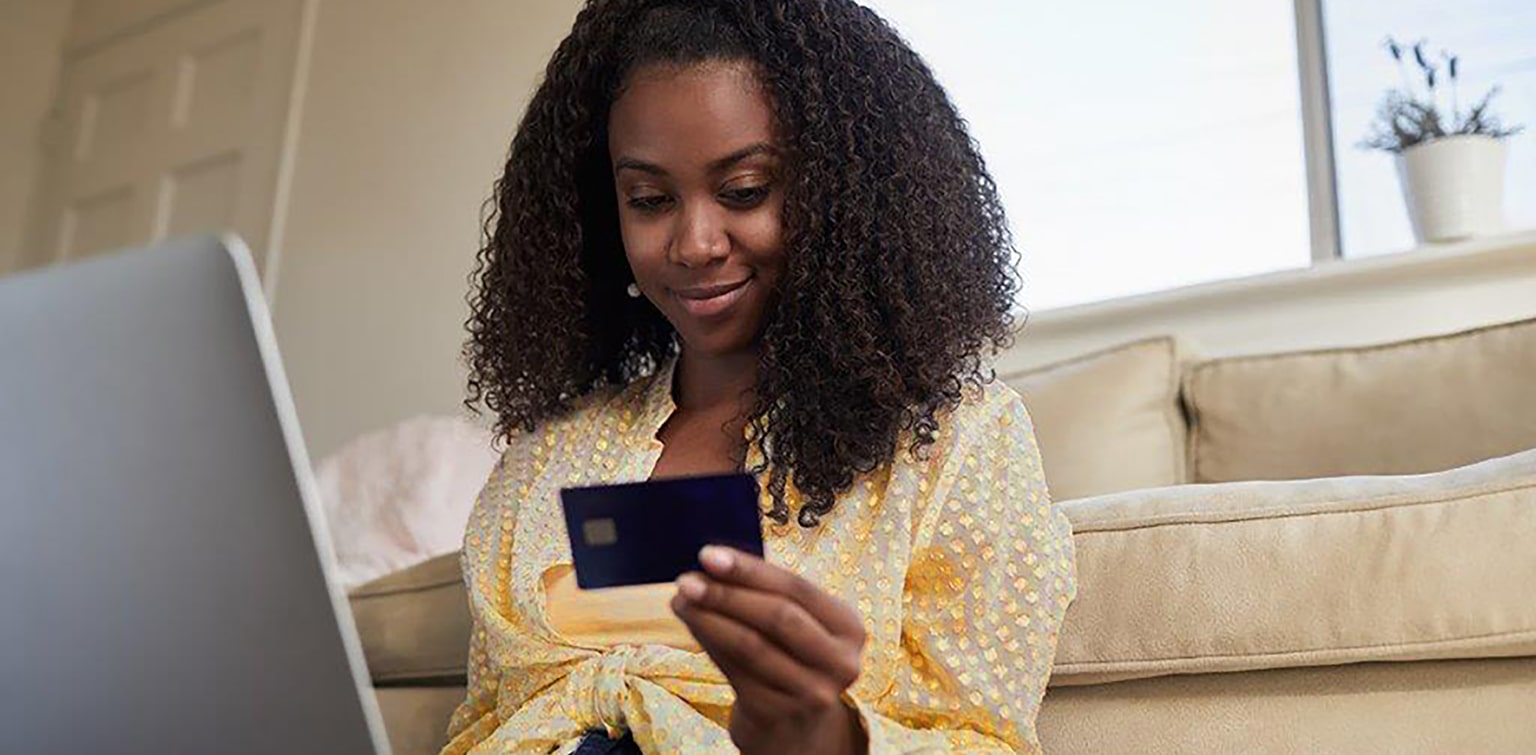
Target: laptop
{"type": "Point", "coordinates": [165, 572]}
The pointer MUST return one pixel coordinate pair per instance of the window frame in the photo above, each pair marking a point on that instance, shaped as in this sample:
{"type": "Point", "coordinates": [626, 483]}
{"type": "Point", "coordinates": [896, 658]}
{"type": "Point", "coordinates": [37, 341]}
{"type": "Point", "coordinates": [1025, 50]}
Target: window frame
{"type": "Point", "coordinates": [1317, 133]}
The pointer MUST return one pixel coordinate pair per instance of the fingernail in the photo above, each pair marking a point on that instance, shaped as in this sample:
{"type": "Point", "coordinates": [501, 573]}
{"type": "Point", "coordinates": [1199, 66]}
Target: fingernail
{"type": "Point", "coordinates": [690, 586]}
{"type": "Point", "coordinates": [715, 557]}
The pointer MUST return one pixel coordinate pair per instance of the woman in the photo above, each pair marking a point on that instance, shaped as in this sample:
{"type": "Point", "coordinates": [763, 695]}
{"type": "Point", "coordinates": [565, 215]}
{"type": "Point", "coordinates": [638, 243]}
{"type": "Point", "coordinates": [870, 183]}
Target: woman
{"type": "Point", "coordinates": [754, 234]}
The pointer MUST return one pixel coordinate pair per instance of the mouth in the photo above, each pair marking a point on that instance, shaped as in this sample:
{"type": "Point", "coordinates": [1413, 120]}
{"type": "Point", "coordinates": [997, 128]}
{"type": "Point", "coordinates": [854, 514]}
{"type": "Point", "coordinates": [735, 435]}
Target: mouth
{"type": "Point", "coordinates": [709, 301]}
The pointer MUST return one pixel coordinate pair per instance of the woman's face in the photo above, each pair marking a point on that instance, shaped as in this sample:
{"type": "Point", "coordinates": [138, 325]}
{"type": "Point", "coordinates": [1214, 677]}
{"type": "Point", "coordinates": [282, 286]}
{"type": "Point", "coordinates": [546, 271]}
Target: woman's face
{"type": "Point", "coordinates": [699, 179]}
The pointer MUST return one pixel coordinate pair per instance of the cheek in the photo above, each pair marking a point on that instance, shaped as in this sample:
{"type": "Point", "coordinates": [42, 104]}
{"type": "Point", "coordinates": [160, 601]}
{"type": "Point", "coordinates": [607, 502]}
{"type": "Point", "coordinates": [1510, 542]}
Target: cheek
{"type": "Point", "coordinates": [644, 245]}
{"type": "Point", "coordinates": [762, 236]}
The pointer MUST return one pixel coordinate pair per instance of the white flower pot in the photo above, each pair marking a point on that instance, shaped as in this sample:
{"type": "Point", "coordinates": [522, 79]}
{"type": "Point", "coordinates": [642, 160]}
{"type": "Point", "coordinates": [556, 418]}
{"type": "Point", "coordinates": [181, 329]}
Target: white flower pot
{"type": "Point", "coordinates": [1454, 187]}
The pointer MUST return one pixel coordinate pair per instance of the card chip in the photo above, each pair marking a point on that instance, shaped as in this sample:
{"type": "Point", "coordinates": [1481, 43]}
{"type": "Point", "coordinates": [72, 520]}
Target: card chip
{"type": "Point", "coordinates": [599, 532]}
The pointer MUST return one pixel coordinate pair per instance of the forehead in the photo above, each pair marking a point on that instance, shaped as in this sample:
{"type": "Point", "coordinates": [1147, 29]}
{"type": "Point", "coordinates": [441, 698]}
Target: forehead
{"type": "Point", "coordinates": [670, 113]}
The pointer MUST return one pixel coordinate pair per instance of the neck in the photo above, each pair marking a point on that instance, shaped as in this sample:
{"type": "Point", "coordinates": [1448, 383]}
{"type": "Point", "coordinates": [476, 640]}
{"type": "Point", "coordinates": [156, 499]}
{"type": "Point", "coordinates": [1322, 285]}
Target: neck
{"type": "Point", "coordinates": [706, 381]}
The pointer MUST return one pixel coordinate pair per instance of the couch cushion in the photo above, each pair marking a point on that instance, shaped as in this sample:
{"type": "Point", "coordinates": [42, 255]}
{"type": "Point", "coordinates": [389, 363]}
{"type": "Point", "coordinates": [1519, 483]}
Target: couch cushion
{"type": "Point", "coordinates": [1476, 706]}
{"type": "Point", "coordinates": [1259, 575]}
{"type": "Point", "coordinates": [1108, 421]}
{"type": "Point", "coordinates": [416, 718]}
{"type": "Point", "coordinates": [1400, 408]}
{"type": "Point", "coordinates": [414, 624]}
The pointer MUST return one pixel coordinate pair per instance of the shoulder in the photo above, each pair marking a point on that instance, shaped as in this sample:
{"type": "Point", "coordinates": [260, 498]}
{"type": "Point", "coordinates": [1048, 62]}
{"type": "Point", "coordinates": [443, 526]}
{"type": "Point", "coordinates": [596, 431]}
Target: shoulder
{"type": "Point", "coordinates": [989, 427]}
{"type": "Point", "coordinates": [984, 462]}
{"type": "Point", "coordinates": [529, 457]}
{"type": "Point", "coordinates": [986, 439]}
{"type": "Point", "coordinates": [994, 409]}
{"type": "Point", "coordinates": [584, 411]}
{"type": "Point", "coordinates": [590, 416]}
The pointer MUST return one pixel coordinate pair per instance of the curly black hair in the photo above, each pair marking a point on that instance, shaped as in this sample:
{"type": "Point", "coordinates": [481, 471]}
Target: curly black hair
{"type": "Point", "coordinates": [899, 276]}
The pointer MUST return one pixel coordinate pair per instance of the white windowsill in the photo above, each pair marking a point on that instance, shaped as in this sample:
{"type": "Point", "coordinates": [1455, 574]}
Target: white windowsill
{"type": "Point", "coordinates": [1490, 251]}
{"type": "Point", "coordinates": [1368, 299]}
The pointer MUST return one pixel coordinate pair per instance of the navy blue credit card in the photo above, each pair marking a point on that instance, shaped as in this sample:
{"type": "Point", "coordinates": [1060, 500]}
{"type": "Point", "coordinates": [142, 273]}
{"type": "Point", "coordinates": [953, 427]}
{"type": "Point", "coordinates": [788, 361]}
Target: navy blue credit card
{"type": "Point", "coordinates": [645, 532]}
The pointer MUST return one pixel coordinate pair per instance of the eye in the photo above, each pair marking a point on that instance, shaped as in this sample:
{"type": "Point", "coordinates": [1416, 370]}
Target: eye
{"type": "Point", "coordinates": [745, 196]}
{"type": "Point", "coordinates": [650, 202]}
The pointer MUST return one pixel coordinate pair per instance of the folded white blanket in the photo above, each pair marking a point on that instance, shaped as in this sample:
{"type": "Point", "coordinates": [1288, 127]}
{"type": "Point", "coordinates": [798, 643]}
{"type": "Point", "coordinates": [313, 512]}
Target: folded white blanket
{"type": "Point", "coordinates": [399, 496]}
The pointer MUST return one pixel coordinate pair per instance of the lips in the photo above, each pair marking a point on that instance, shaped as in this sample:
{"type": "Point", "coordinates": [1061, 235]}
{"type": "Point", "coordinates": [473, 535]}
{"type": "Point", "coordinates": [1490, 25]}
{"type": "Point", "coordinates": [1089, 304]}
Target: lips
{"type": "Point", "coordinates": [711, 300]}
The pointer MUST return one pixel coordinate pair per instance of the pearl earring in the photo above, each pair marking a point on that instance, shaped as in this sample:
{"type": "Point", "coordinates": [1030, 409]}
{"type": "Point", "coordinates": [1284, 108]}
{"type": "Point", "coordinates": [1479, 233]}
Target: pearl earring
{"type": "Point", "coordinates": [633, 291]}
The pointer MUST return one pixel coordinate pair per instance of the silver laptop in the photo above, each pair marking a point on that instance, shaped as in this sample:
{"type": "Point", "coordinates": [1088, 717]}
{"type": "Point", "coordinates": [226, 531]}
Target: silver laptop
{"type": "Point", "coordinates": [164, 567]}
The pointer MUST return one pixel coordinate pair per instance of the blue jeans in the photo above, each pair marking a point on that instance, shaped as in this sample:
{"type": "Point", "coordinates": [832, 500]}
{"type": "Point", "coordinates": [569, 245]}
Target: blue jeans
{"type": "Point", "coordinates": [598, 743]}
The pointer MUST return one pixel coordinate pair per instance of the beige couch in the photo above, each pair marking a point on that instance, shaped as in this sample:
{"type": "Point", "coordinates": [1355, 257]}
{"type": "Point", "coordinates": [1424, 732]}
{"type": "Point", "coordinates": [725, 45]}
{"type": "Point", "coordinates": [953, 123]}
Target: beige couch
{"type": "Point", "coordinates": [1315, 613]}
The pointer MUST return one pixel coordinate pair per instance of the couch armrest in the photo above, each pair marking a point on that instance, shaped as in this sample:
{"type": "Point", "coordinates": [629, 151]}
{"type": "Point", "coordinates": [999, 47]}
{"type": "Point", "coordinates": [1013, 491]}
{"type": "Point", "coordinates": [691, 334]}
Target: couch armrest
{"type": "Point", "coordinates": [415, 624]}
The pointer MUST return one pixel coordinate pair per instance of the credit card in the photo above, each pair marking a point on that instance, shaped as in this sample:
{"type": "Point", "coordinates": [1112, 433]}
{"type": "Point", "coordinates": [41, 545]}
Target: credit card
{"type": "Point", "coordinates": [639, 533]}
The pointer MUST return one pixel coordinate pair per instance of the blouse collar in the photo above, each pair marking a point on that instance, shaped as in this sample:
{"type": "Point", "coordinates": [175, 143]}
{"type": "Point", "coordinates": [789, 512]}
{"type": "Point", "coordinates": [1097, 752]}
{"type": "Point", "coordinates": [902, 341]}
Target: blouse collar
{"type": "Point", "coordinates": [656, 404]}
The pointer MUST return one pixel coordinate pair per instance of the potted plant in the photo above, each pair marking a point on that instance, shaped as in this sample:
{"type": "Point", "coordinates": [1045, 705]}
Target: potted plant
{"type": "Point", "coordinates": [1450, 163]}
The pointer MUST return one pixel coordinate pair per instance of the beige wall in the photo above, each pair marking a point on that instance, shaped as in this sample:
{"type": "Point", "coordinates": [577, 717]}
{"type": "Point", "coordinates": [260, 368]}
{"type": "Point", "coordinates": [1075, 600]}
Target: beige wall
{"type": "Point", "coordinates": [404, 124]}
{"type": "Point", "coordinates": [32, 34]}
{"type": "Point", "coordinates": [98, 21]}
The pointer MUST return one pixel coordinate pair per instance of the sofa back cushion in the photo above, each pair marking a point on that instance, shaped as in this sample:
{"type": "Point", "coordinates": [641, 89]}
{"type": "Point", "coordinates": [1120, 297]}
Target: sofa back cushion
{"type": "Point", "coordinates": [1400, 408]}
{"type": "Point", "coordinates": [1107, 421]}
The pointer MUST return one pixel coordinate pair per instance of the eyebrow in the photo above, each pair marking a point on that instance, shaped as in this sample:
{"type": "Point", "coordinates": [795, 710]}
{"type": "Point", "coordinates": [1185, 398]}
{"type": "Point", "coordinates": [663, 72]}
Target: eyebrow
{"type": "Point", "coordinates": [760, 148]}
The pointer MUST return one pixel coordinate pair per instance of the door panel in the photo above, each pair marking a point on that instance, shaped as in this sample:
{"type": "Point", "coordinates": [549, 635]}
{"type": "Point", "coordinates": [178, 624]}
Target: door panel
{"type": "Point", "coordinates": [172, 125]}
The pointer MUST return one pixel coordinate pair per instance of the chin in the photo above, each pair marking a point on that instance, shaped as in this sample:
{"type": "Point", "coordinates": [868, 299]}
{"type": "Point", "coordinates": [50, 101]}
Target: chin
{"type": "Point", "coordinates": [719, 342]}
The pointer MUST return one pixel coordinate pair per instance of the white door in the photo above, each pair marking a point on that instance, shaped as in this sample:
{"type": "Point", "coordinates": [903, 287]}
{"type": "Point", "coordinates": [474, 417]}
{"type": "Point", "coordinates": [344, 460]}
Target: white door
{"type": "Point", "coordinates": [173, 126]}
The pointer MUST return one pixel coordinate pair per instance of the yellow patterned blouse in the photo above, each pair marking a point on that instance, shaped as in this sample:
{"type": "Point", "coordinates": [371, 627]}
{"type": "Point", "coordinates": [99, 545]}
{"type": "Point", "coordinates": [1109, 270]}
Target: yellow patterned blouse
{"type": "Point", "coordinates": [959, 564]}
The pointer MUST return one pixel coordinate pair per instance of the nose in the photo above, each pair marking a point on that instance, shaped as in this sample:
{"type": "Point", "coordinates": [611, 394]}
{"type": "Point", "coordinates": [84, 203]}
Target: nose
{"type": "Point", "coordinates": [702, 239]}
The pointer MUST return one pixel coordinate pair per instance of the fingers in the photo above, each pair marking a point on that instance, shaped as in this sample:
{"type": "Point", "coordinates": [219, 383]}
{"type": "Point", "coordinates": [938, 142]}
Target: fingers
{"type": "Point", "coordinates": [762, 674]}
{"type": "Point", "coordinates": [788, 647]}
{"type": "Point", "coordinates": [746, 570]}
{"type": "Point", "coordinates": [782, 621]}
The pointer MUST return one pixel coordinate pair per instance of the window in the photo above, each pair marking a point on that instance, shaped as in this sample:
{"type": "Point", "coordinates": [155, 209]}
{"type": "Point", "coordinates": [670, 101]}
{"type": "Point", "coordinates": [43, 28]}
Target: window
{"type": "Point", "coordinates": [1159, 150]}
{"type": "Point", "coordinates": [1146, 146]}
{"type": "Point", "coordinates": [1496, 43]}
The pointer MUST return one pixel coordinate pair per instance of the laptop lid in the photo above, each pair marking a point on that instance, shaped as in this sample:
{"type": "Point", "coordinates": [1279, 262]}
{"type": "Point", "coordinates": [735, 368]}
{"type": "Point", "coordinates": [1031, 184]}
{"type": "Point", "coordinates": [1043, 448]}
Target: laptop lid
{"type": "Point", "coordinates": [163, 560]}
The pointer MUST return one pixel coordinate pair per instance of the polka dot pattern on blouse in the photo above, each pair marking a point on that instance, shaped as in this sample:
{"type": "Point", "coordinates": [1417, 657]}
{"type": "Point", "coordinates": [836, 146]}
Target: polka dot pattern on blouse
{"type": "Point", "coordinates": [958, 562]}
